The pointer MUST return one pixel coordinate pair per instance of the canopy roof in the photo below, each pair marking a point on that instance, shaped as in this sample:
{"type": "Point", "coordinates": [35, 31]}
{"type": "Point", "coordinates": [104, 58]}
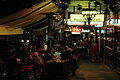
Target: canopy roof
{"type": "Point", "coordinates": [25, 17]}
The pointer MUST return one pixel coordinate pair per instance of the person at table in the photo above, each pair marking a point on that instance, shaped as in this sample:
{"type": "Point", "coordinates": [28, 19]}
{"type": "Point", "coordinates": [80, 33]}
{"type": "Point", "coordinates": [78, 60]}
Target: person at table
{"type": "Point", "coordinates": [57, 52]}
{"type": "Point", "coordinates": [48, 55]}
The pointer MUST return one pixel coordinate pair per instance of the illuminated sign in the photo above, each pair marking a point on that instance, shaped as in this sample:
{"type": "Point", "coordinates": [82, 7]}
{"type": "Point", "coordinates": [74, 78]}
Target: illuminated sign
{"type": "Point", "coordinates": [98, 17]}
{"type": "Point", "coordinates": [87, 30]}
{"type": "Point", "coordinates": [69, 22]}
{"type": "Point", "coordinates": [79, 17]}
{"type": "Point", "coordinates": [76, 30]}
{"type": "Point", "coordinates": [102, 31]}
{"type": "Point", "coordinates": [96, 24]}
{"type": "Point", "coordinates": [114, 22]}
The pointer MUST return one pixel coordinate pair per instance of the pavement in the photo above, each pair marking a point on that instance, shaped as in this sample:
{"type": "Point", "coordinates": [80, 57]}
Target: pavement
{"type": "Point", "coordinates": [88, 70]}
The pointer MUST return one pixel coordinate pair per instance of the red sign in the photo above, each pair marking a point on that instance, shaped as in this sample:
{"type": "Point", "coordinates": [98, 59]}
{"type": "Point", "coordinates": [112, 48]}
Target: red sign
{"type": "Point", "coordinates": [76, 29]}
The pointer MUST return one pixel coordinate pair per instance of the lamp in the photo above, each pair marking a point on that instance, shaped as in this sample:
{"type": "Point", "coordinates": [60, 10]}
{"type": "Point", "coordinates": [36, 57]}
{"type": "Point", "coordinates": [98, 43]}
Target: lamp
{"type": "Point", "coordinates": [22, 40]}
{"type": "Point", "coordinates": [89, 14]}
{"type": "Point", "coordinates": [28, 41]}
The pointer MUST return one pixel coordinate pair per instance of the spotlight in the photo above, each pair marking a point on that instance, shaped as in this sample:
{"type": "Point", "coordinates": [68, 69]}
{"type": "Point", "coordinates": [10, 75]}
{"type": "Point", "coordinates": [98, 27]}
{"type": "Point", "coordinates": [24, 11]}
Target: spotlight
{"type": "Point", "coordinates": [22, 40]}
{"type": "Point", "coordinates": [28, 41]}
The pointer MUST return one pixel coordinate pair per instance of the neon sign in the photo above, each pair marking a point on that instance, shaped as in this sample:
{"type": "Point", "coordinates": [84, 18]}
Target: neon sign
{"type": "Point", "coordinates": [76, 30]}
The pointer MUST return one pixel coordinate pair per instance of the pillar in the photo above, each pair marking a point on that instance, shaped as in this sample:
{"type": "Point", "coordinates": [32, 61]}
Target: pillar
{"type": "Point", "coordinates": [89, 14]}
{"type": "Point", "coordinates": [46, 34]}
{"type": "Point", "coordinates": [60, 35]}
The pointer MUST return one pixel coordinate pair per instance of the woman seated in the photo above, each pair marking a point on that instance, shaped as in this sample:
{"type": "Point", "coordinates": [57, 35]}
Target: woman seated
{"type": "Point", "coordinates": [57, 53]}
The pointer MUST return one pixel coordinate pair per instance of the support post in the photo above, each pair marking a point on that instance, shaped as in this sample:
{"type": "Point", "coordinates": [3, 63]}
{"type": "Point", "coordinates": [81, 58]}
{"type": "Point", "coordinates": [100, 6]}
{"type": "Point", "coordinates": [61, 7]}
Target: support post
{"type": "Point", "coordinates": [89, 14]}
{"type": "Point", "coordinates": [46, 34]}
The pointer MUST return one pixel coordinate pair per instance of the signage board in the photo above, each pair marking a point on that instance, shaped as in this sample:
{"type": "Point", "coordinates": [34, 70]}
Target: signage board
{"type": "Point", "coordinates": [82, 24]}
{"type": "Point", "coordinates": [98, 17]}
{"type": "Point", "coordinates": [76, 30]}
{"type": "Point", "coordinates": [83, 18]}
{"type": "Point", "coordinates": [114, 22]}
{"type": "Point", "coordinates": [77, 17]}
{"type": "Point", "coordinates": [79, 30]}
{"type": "Point", "coordinates": [69, 22]}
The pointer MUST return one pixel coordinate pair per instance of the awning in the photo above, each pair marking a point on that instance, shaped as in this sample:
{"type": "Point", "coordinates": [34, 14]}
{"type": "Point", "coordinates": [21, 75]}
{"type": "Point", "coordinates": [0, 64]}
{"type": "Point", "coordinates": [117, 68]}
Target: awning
{"type": "Point", "coordinates": [10, 31]}
{"type": "Point", "coordinates": [26, 17]}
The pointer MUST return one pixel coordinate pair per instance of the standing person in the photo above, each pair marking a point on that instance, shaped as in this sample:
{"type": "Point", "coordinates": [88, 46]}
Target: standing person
{"type": "Point", "coordinates": [73, 64]}
{"type": "Point", "coordinates": [79, 48]}
{"type": "Point", "coordinates": [72, 59]}
{"type": "Point", "coordinates": [85, 46]}
{"type": "Point", "coordinates": [45, 47]}
{"type": "Point", "coordinates": [94, 50]}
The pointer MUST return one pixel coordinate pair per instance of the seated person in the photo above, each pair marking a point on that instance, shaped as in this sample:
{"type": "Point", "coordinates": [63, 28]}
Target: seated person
{"type": "Point", "coordinates": [57, 53]}
{"type": "Point", "coordinates": [47, 56]}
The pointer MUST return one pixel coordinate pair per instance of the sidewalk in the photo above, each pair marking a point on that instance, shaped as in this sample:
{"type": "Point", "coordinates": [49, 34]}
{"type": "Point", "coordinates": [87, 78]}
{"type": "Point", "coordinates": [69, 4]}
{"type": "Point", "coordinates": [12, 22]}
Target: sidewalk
{"type": "Point", "coordinates": [94, 71]}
